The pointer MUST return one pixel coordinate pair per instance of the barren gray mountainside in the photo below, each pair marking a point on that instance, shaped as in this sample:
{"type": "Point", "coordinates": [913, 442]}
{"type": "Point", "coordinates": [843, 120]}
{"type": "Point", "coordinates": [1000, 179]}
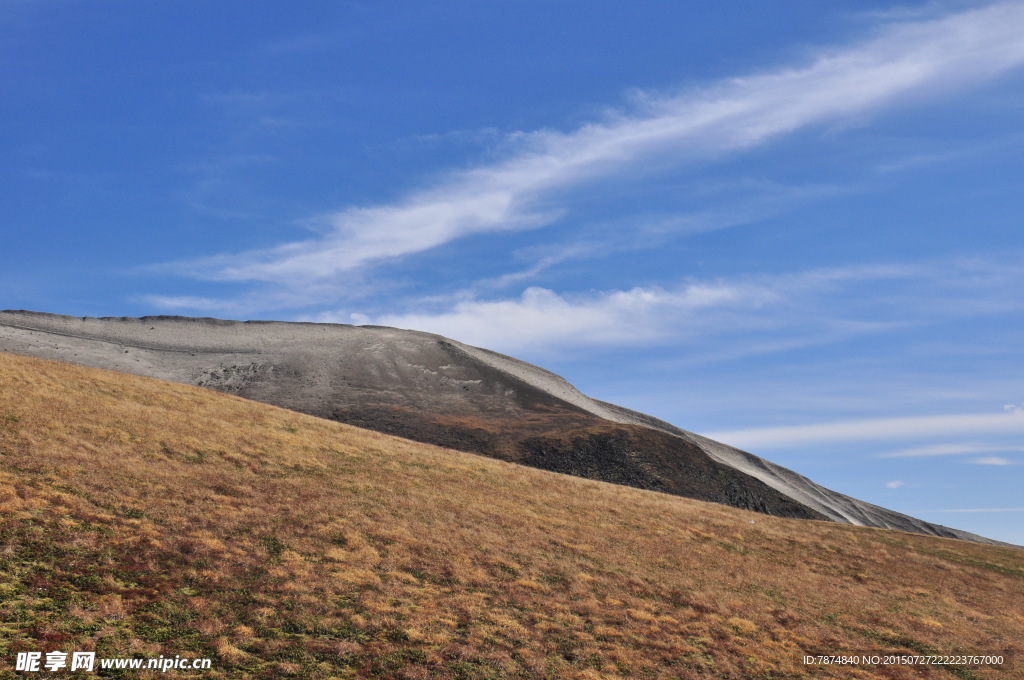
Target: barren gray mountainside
{"type": "Point", "coordinates": [429, 388]}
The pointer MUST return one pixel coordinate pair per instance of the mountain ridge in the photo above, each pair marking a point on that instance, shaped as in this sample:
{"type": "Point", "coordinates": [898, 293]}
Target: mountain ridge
{"type": "Point", "coordinates": [430, 388]}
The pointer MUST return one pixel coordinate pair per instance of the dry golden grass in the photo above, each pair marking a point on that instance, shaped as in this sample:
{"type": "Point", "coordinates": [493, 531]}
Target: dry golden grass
{"type": "Point", "coordinates": [141, 517]}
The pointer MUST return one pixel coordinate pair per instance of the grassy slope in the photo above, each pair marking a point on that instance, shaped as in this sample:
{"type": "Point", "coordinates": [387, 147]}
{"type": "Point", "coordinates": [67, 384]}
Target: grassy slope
{"type": "Point", "coordinates": [144, 517]}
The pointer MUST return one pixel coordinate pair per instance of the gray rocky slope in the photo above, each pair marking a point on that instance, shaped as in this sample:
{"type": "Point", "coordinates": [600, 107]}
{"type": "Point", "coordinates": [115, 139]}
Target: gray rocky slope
{"type": "Point", "coordinates": [429, 388]}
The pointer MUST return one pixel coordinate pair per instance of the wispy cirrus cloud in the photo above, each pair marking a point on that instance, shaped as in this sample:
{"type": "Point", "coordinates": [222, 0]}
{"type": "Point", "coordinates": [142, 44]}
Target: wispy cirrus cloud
{"type": "Point", "coordinates": [976, 510]}
{"type": "Point", "coordinates": [876, 429]}
{"type": "Point", "coordinates": [992, 460]}
{"type": "Point", "coordinates": [736, 316]}
{"type": "Point", "coordinates": [901, 62]}
{"type": "Point", "coordinates": [541, 317]}
{"type": "Point", "coordinates": [951, 449]}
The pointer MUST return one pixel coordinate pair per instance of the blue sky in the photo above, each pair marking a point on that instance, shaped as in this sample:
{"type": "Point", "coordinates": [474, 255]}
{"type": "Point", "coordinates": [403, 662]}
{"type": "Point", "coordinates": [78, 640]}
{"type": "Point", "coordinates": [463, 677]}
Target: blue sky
{"type": "Point", "coordinates": [794, 226]}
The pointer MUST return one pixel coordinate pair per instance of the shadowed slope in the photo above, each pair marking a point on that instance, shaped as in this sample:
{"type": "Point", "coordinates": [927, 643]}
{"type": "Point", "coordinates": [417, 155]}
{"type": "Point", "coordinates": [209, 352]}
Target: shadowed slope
{"type": "Point", "coordinates": [432, 389]}
{"type": "Point", "coordinates": [141, 517]}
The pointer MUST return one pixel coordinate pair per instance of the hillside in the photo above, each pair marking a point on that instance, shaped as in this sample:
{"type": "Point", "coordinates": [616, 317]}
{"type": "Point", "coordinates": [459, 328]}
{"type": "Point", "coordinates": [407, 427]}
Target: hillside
{"type": "Point", "coordinates": [143, 517]}
{"type": "Point", "coordinates": [439, 391]}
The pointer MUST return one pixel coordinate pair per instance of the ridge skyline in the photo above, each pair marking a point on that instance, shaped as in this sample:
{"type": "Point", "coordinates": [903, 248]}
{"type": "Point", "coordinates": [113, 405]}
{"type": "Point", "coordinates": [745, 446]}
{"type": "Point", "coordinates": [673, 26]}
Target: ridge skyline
{"type": "Point", "coordinates": [436, 390]}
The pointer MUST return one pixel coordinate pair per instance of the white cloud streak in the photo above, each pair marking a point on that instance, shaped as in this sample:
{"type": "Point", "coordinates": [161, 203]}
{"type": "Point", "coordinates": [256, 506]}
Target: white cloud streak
{"type": "Point", "coordinates": [735, 317]}
{"type": "Point", "coordinates": [875, 429]}
{"type": "Point", "coordinates": [949, 450]}
{"type": "Point", "coordinates": [902, 62]}
{"type": "Point", "coordinates": [992, 460]}
{"type": "Point", "coordinates": [975, 510]}
{"type": "Point", "coordinates": [541, 317]}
